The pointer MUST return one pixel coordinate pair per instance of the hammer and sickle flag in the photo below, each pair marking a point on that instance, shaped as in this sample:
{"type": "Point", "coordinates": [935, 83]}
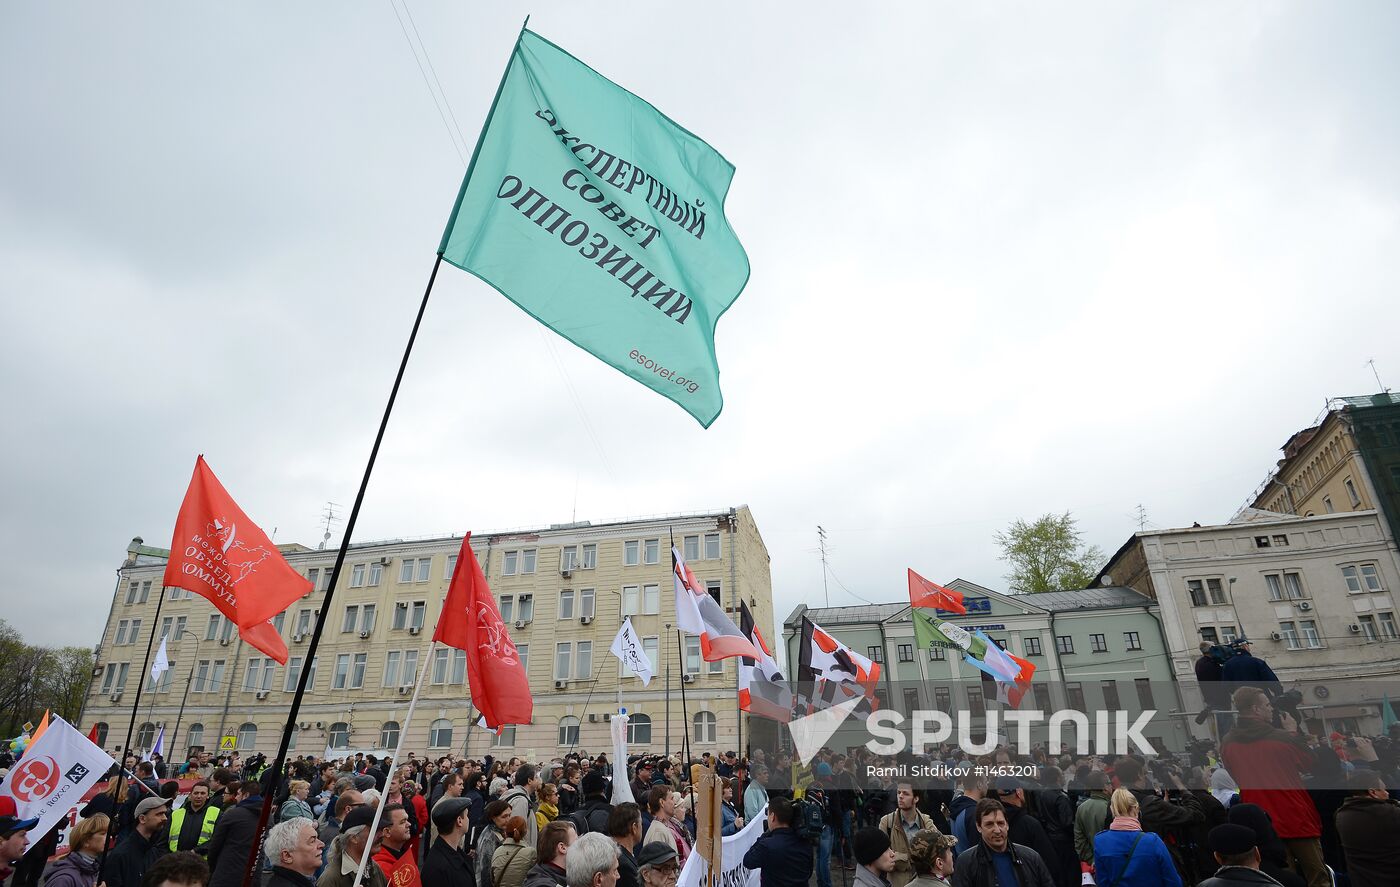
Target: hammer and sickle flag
{"type": "Point", "coordinates": [604, 220]}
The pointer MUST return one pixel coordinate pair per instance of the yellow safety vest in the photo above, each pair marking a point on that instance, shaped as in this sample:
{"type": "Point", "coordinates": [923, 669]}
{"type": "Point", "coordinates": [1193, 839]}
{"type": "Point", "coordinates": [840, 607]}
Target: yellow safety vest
{"type": "Point", "coordinates": [206, 829]}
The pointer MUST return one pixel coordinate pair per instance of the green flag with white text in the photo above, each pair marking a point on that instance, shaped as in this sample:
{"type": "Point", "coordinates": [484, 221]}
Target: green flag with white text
{"type": "Point", "coordinates": [604, 220]}
{"type": "Point", "coordinates": [930, 631]}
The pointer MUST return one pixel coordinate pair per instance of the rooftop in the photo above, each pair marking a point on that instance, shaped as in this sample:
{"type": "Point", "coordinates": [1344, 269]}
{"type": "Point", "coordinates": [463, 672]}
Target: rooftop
{"type": "Point", "coordinates": [1110, 598]}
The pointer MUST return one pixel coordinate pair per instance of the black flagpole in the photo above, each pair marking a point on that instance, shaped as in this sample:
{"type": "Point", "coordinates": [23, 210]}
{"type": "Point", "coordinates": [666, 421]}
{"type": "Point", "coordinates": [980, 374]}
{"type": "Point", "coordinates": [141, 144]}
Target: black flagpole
{"type": "Point", "coordinates": [131, 727]}
{"type": "Point", "coordinates": [276, 769]}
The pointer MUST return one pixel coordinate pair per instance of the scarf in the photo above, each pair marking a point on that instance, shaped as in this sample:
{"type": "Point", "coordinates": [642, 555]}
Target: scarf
{"type": "Point", "coordinates": [1125, 824]}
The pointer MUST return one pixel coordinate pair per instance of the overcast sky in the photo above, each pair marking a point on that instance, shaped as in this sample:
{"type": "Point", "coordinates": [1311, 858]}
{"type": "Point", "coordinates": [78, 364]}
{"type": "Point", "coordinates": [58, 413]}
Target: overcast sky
{"type": "Point", "coordinates": [1007, 260]}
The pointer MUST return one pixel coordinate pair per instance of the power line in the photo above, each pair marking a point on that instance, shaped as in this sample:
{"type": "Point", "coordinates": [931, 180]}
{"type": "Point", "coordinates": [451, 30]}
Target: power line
{"type": "Point", "coordinates": [451, 134]}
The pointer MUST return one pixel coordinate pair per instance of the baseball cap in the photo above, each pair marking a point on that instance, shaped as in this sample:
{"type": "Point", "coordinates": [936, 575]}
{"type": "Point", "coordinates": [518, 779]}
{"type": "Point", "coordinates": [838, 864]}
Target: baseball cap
{"type": "Point", "coordinates": [9, 817]}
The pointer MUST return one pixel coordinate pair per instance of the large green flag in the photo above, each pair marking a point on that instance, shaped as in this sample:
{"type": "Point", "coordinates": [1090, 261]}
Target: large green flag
{"type": "Point", "coordinates": [604, 220]}
{"type": "Point", "coordinates": [930, 631]}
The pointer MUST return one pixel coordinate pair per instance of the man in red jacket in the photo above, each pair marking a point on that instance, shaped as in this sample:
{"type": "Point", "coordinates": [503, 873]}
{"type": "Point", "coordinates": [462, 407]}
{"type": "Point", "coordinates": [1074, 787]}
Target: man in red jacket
{"type": "Point", "coordinates": [1268, 764]}
{"type": "Point", "coordinates": [399, 867]}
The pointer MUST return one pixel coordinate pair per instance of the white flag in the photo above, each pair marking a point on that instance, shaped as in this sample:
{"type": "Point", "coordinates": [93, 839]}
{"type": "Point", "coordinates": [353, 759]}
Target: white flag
{"type": "Point", "coordinates": [628, 648]}
{"type": "Point", "coordinates": [57, 769]}
{"type": "Point", "coordinates": [161, 665]}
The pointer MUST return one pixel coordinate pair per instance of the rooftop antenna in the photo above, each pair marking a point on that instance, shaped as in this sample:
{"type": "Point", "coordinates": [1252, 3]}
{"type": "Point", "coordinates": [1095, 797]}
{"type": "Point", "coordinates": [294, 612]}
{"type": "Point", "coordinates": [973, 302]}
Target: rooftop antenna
{"type": "Point", "coordinates": [1372, 364]}
{"type": "Point", "coordinates": [330, 517]}
{"type": "Point", "coordinates": [1141, 517]}
{"type": "Point", "coordinates": [821, 543]}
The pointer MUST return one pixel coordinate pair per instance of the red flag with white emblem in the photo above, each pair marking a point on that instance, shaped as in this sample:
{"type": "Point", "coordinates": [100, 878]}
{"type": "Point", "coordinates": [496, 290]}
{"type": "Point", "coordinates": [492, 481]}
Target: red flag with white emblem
{"type": "Point", "coordinates": [471, 622]}
{"type": "Point", "coordinates": [221, 555]}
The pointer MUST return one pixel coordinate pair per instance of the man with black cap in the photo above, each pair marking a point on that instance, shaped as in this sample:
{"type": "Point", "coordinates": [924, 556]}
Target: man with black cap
{"type": "Point", "coordinates": [658, 865]}
{"type": "Point", "coordinates": [446, 865]}
{"type": "Point", "coordinates": [874, 857]}
{"type": "Point", "coordinates": [996, 860]}
{"type": "Point", "coordinates": [780, 855]}
{"type": "Point", "coordinates": [348, 848]}
{"type": "Point", "coordinates": [127, 863]}
{"type": "Point", "coordinates": [14, 835]}
{"type": "Point", "coordinates": [1234, 847]}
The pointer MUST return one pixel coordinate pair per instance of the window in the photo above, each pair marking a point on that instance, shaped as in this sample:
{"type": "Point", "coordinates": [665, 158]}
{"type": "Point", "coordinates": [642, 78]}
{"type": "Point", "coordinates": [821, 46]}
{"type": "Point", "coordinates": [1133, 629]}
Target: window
{"type": "Point", "coordinates": [1285, 586]}
{"type": "Point", "coordinates": [339, 735]}
{"type": "Point", "coordinates": [303, 623]}
{"type": "Point", "coordinates": [1311, 638]}
{"type": "Point", "coordinates": [937, 654]}
{"type": "Point", "coordinates": [583, 660]}
{"type": "Point", "coordinates": [145, 735]}
{"type": "Point", "coordinates": [717, 666]}
{"type": "Point", "coordinates": [1209, 635]}
{"type": "Point", "coordinates": [132, 590]}
{"type": "Point", "coordinates": [1074, 692]}
{"type": "Point", "coordinates": [420, 609]}
{"type": "Point", "coordinates": [527, 560]}
{"type": "Point", "coordinates": [250, 677]}
{"type": "Point", "coordinates": [441, 661]}
{"type": "Point", "coordinates": [568, 730]}
{"type": "Point", "coordinates": [376, 573]}
{"type": "Point", "coordinates": [631, 599]}
{"type": "Point", "coordinates": [459, 667]}
{"type": "Point", "coordinates": [166, 625]}
{"type": "Point", "coordinates": [440, 733]}
{"type": "Point", "coordinates": [587, 606]}
{"type": "Point", "coordinates": [450, 567]}
{"type": "Point", "coordinates": [1032, 646]}
{"type": "Point", "coordinates": [1110, 694]}
{"type": "Point", "coordinates": [691, 549]}
{"type": "Point", "coordinates": [1368, 627]}
{"type": "Point", "coordinates": [193, 737]}
{"type": "Point", "coordinates": [1362, 577]}
{"type": "Point", "coordinates": [505, 738]}
{"type": "Point", "coordinates": [1041, 691]}
{"type": "Point", "coordinates": [1227, 634]}
{"type": "Point", "coordinates": [510, 563]}
{"type": "Point", "coordinates": [507, 608]}
{"type": "Point", "coordinates": [342, 672]}
{"type": "Point", "coordinates": [406, 567]}
{"type": "Point", "coordinates": [651, 551]}
{"type": "Point", "coordinates": [247, 736]}
{"type": "Point", "coordinates": [1131, 640]}
{"type": "Point", "coordinates": [163, 684]}
{"type": "Point", "coordinates": [109, 677]}
{"type": "Point", "coordinates": [293, 674]}
{"type": "Point", "coordinates": [568, 558]}
{"type": "Point", "coordinates": [1351, 492]}
{"type": "Point", "coordinates": [651, 599]}
{"type": "Point", "coordinates": [639, 729]}
{"type": "Point", "coordinates": [692, 654]}
{"type": "Point", "coordinates": [357, 576]}
{"type": "Point", "coordinates": [357, 671]}
{"type": "Point", "coordinates": [145, 592]}
{"type": "Point", "coordinates": [1261, 541]}
{"type": "Point", "coordinates": [200, 680]}
{"type": "Point", "coordinates": [1280, 541]}
{"type": "Point", "coordinates": [1386, 621]}
{"type": "Point", "coordinates": [391, 668]}
{"type": "Point", "coordinates": [976, 703]}
{"type": "Point", "coordinates": [1144, 693]}
{"type": "Point", "coordinates": [711, 546]}
{"type": "Point", "coordinates": [906, 652]}
{"type": "Point", "coordinates": [714, 588]}
{"type": "Point", "coordinates": [352, 616]}
{"type": "Point", "coordinates": [1327, 504]}
{"type": "Point", "coordinates": [631, 553]}
{"type": "Point", "coordinates": [590, 556]}
{"type": "Point", "coordinates": [527, 608]}
{"type": "Point", "coordinates": [563, 658]}
{"type": "Point", "coordinates": [1098, 643]}
{"type": "Point", "coordinates": [389, 734]}
{"type": "Point", "coordinates": [1064, 644]}
{"type": "Point", "coordinates": [120, 639]}
{"type": "Point", "coordinates": [650, 647]}
{"type": "Point", "coordinates": [216, 675]}
{"type": "Point", "coordinates": [1289, 630]}
{"type": "Point", "coordinates": [181, 594]}
{"type": "Point", "coordinates": [942, 699]}
{"type": "Point", "coordinates": [705, 727]}
{"type": "Point", "coordinates": [875, 654]}
{"type": "Point", "coordinates": [313, 576]}
{"type": "Point", "coordinates": [566, 604]}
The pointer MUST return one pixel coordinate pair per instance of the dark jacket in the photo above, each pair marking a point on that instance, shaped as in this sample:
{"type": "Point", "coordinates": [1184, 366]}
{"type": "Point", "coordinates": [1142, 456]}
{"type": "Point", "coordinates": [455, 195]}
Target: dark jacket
{"type": "Point", "coordinates": [72, 871]}
{"type": "Point", "coordinates": [1026, 830]}
{"type": "Point", "coordinates": [446, 866]}
{"type": "Point", "coordinates": [964, 831]}
{"type": "Point", "coordinates": [1369, 829]}
{"type": "Point", "coordinates": [283, 877]}
{"type": "Point", "coordinates": [542, 874]}
{"type": "Point", "coordinates": [975, 868]}
{"type": "Point", "coordinates": [781, 857]}
{"type": "Point", "coordinates": [232, 842]}
{"type": "Point", "coordinates": [1242, 668]}
{"type": "Point", "coordinates": [1171, 822]}
{"type": "Point", "coordinates": [592, 816]}
{"type": "Point", "coordinates": [1232, 875]}
{"type": "Point", "coordinates": [127, 863]}
{"type": "Point", "coordinates": [628, 873]}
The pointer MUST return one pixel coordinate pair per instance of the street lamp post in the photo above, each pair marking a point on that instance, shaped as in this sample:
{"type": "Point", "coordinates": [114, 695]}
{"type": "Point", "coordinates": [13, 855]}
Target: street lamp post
{"type": "Point", "coordinates": [194, 663]}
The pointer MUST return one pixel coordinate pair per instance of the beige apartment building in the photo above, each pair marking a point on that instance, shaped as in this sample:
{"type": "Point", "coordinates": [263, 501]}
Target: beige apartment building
{"type": "Point", "coordinates": [562, 590]}
{"type": "Point", "coordinates": [1316, 596]}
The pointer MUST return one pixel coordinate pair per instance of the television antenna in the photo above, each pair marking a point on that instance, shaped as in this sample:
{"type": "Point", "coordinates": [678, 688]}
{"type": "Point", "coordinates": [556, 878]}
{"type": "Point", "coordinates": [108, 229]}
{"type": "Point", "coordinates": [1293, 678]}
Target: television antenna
{"type": "Point", "coordinates": [331, 518]}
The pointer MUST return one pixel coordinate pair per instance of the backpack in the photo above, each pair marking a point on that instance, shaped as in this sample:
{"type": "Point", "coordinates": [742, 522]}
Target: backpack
{"type": "Point", "coordinates": [810, 818]}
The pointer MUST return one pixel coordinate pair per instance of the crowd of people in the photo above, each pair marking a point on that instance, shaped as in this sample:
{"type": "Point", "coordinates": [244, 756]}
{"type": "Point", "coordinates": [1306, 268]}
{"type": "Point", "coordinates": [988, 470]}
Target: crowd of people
{"type": "Point", "coordinates": [1264, 807]}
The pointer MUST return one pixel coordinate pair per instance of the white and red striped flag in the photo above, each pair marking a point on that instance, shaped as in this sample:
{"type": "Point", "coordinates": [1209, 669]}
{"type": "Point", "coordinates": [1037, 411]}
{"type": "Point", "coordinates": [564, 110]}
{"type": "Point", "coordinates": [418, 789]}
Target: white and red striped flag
{"type": "Point", "coordinates": [700, 614]}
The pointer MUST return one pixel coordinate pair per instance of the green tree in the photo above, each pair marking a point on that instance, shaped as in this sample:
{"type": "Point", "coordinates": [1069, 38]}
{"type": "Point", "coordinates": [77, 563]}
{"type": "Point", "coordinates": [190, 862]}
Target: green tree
{"type": "Point", "coordinates": [64, 680]}
{"type": "Point", "coordinates": [1048, 554]}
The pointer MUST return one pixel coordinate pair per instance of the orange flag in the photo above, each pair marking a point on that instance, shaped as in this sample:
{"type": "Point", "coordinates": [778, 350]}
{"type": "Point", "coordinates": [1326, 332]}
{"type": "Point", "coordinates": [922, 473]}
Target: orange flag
{"type": "Point", "coordinates": [219, 554]}
{"type": "Point", "coordinates": [923, 593]}
{"type": "Point", "coordinates": [471, 622]}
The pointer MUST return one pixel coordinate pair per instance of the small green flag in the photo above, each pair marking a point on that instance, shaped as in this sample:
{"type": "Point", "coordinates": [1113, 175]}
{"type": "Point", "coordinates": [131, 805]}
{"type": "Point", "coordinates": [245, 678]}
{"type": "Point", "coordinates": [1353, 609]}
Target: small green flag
{"type": "Point", "coordinates": [934, 632]}
{"type": "Point", "coordinates": [604, 220]}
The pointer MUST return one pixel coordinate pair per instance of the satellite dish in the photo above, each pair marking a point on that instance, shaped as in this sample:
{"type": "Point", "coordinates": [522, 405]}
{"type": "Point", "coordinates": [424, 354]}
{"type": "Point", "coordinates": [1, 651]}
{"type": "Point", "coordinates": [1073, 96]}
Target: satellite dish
{"type": "Point", "coordinates": [1105, 581]}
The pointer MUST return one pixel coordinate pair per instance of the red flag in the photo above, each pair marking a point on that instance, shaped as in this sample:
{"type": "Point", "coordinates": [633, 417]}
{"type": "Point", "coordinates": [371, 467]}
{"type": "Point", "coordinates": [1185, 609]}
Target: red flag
{"type": "Point", "coordinates": [92, 735]}
{"type": "Point", "coordinates": [219, 554]}
{"type": "Point", "coordinates": [1017, 691]}
{"type": "Point", "coordinates": [264, 636]}
{"type": "Point", "coordinates": [923, 593]}
{"type": "Point", "coordinates": [471, 622]}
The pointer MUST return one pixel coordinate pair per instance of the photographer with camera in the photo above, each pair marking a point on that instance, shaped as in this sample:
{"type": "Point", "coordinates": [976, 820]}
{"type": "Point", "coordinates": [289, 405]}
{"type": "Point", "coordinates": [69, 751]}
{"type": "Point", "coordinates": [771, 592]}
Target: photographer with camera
{"type": "Point", "coordinates": [1269, 763]}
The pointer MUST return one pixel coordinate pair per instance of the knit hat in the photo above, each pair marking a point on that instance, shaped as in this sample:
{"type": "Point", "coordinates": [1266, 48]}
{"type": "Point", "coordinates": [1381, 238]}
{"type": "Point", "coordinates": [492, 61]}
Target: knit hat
{"type": "Point", "coordinates": [594, 783]}
{"type": "Point", "coordinates": [823, 769]}
{"type": "Point", "coordinates": [869, 845]}
{"type": "Point", "coordinates": [1231, 839]}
